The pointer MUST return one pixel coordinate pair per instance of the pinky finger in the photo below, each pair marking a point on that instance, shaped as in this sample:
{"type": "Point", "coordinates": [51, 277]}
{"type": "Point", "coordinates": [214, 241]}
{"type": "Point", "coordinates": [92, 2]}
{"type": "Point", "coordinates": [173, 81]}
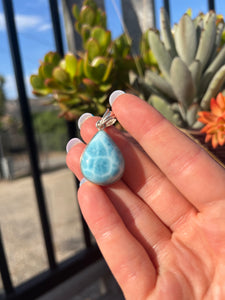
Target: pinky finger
{"type": "Point", "coordinates": [127, 259]}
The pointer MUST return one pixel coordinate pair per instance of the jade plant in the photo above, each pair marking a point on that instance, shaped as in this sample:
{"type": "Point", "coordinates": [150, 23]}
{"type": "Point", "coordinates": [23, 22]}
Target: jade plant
{"type": "Point", "coordinates": [82, 82]}
{"type": "Point", "coordinates": [191, 60]}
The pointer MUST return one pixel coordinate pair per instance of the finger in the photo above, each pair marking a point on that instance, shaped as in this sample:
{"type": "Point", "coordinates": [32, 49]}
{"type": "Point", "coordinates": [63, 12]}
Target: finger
{"type": "Point", "coordinates": [185, 163]}
{"type": "Point", "coordinates": [136, 215]}
{"type": "Point", "coordinates": [73, 159]}
{"type": "Point", "coordinates": [145, 179]}
{"type": "Point", "coordinates": [127, 259]}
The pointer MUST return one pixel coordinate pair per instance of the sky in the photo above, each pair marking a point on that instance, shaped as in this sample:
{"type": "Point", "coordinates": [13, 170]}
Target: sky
{"type": "Point", "coordinates": [35, 33]}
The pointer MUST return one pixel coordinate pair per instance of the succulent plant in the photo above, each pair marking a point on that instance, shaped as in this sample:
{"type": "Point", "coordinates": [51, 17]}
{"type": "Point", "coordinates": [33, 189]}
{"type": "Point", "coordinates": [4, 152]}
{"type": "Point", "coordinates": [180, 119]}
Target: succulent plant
{"type": "Point", "coordinates": [148, 59]}
{"type": "Point", "coordinates": [192, 67]}
{"type": "Point", "coordinates": [82, 82]}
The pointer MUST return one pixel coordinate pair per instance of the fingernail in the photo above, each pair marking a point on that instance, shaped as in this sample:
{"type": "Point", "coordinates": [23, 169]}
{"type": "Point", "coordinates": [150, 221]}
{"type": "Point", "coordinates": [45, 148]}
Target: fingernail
{"type": "Point", "coordinates": [115, 95]}
{"type": "Point", "coordinates": [72, 143]}
{"type": "Point", "coordinates": [82, 118]}
{"type": "Point", "coordinates": [83, 180]}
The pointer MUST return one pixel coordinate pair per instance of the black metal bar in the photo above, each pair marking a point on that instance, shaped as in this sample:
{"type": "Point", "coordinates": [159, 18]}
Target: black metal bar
{"type": "Point", "coordinates": [6, 279]}
{"type": "Point", "coordinates": [45, 281]}
{"type": "Point", "coordinates": [167, 7]}
{"type": "Point", "coordinates": [71, 126]}
{"type": "Point", "coordinates": [53, 4]}
{"type": "Point", "coordinates": [211, 4]}
{"type": "Point", "coordinates": [28, 128]}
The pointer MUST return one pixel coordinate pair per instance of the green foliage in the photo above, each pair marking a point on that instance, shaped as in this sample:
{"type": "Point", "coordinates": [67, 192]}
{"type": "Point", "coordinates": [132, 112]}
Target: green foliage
{"type": "Point", "coordinates": [191, 59]}
{"type": "Point", "coordinates": [146, 53]}
{"type": "Point", "coordinates": [83, 82]}
{"type": "Point", "coordinates": [51, 131]}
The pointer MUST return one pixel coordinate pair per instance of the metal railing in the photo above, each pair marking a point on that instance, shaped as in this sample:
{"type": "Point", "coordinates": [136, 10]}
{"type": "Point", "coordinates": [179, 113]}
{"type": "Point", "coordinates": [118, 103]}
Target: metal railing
{"type": "Point", "coordinates": [57, 272]}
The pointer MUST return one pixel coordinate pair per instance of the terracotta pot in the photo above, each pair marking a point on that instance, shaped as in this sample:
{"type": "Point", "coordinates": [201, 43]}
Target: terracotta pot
{"type": "Point", "coordinates": [218, 153]}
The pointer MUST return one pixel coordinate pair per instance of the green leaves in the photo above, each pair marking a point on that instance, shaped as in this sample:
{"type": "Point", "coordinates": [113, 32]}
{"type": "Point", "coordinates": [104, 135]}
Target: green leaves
{"type": "Point", "coordinates": [182, 82]}
{"type": "Point", "coordinates": [191, 62]}
{"type": "Point", "coordinates": [162, 56]}
{"type": "Point", "coordinates": [213, 88]}
{"type": "Point", "coordinates": [102, 37]}
{"type": "Point", "coordinates": [167, 36]}
{"type": "Point", "coordinates": [207, 39]}
{"type": "Point", "coordinates": [83, 82]}
{"type": "Point", "coordinates": [186, 39]}
{"type": "Point", "coordinates": [71, 65]}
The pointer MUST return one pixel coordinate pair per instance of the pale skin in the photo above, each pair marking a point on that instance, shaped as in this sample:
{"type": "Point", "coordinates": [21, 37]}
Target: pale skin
{"type": "Point", "coordinates": [161, 228]}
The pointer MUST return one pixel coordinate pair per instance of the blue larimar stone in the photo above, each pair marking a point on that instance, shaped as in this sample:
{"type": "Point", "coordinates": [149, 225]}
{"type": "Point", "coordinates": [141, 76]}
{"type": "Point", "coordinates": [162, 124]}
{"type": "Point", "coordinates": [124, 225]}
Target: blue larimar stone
{"type": "Point", "coordinates": [102, 162]}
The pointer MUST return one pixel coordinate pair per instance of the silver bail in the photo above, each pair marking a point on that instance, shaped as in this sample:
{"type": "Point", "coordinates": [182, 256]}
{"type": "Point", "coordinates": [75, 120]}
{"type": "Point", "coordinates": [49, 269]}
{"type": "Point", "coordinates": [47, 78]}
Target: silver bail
{"type": "Point", "coordinates": [108, 119]}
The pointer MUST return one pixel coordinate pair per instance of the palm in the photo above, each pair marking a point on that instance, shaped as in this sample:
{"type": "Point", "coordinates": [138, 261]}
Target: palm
{"type": "Point", "coordinates": [192, 261]}
{"type": "Point", "coordinates": [161, 228]}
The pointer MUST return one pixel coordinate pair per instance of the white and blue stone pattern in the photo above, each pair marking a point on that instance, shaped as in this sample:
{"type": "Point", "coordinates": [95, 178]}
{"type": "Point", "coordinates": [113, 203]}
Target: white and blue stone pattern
{"type": "Point", "coordinates": [102, 162]}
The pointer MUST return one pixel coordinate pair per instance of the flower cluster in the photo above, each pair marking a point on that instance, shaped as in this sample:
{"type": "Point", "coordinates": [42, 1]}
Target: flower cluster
{"type": "Point", "coordinates": [215, 121]}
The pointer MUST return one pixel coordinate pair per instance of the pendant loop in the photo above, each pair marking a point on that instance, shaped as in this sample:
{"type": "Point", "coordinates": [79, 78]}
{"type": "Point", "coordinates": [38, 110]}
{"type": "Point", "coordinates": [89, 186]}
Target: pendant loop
{"type": "Point", "coordinates": [108, 119]}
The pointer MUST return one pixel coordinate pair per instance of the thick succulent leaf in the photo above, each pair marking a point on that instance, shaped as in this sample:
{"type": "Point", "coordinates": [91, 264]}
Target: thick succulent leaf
{"type": "Point", "coordinates": [165, 109]}
{"type": "Point", "coordinates": [197, 125]}
{"type": "Point", "coordinates": [162, 56]}
{"type": "Point", "coordinates": [196, 71]}
{"type": "Point", "coordinates": [37, 82]}
{"type": "Point", "coordinates": [99, 61]}
{"type": "Point", "coordinates": [212, 69]}
{"type": "Point", "coordinates": [121, 46]}
{"type": "Point", "coordinates": [198, 21]}
{"type": "Point", "coordinates": [90, 3]}
{"type": "Point", "coordinates": [86, 66]}
{"type": "Point", "coordinates": [160, 84]}
{"type": "Point", "coordinates": [102, 36]}
{"type": "Point", "coordinates": [186, 39]}
{"type": "Point", "coordinates": [207, 40]}
{"type": "Point", "coordinates": [85, 31]}
{"type": "Point", "coordinates": [78, 27]}
{"type": "Point", "coordinates": [71, 64]}
{"type": "Point", "coordinates": [219, 32]}
{"type": "Point", "coordinates": [216, 64]}
{"type": "Point", "coordinates": [45, 70]}
{"type": "Point", "coordinates": [39, 88]}
{"type": "Point", "coordinates": [100, 18]}
{"type": "Point", "coordinates": [61, 75]}
{"type": "Point", "coordinates": [80, 68]}
{"type": "Point", "coordinates": [213, 88]}
{"type": "Point", "coordinates": [53, 84]}
{"type": "Point", "coordinates": [75, 11]}
{"type": "Point", "coordinates": [191, 115]}
{"type": "Point", "coordinates": [93, 49]}
{"type": "Point", "coordinates": [52, 58]}
{"type": "Point", "coordinates": [166, 33]}
{"type": "Point", "coordinates": [108, 70]}
{"type": "Point", "coordinates": [87, 15]}
{"type": "Point", "coordinates": [99, 68]}
{"type": "Point", "coordinates": [217, 42]}
{"type": "Point", "coordinates": [182, 82]}
{"type": "Point", "coordinates": [104, 88]}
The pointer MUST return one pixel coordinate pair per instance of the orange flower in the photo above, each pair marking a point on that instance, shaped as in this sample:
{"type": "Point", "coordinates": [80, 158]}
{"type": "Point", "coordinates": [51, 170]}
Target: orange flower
{"type": "Point", "coordinates": [215, 121]}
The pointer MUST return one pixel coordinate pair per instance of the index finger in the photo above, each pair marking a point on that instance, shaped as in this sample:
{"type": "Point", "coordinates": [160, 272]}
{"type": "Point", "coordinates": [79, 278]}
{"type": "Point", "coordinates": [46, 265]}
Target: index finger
{"type": "Point", "coordinates": [198, 177]}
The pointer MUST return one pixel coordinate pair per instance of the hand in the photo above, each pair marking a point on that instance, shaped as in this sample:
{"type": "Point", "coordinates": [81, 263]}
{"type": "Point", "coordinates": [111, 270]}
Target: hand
{"type": "Point", "coordinates": [161, 228]}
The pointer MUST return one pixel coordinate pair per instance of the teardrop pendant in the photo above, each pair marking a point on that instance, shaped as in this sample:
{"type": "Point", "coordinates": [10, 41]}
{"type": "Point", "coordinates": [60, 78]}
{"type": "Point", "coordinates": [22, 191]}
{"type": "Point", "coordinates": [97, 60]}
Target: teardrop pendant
{"type": "Point", "coordinates": [102, 162]}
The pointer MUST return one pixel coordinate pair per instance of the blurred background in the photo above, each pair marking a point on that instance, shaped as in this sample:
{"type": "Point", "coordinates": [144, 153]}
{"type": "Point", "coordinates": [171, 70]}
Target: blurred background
{"type": "Point", "coordinates": [20, 226]}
